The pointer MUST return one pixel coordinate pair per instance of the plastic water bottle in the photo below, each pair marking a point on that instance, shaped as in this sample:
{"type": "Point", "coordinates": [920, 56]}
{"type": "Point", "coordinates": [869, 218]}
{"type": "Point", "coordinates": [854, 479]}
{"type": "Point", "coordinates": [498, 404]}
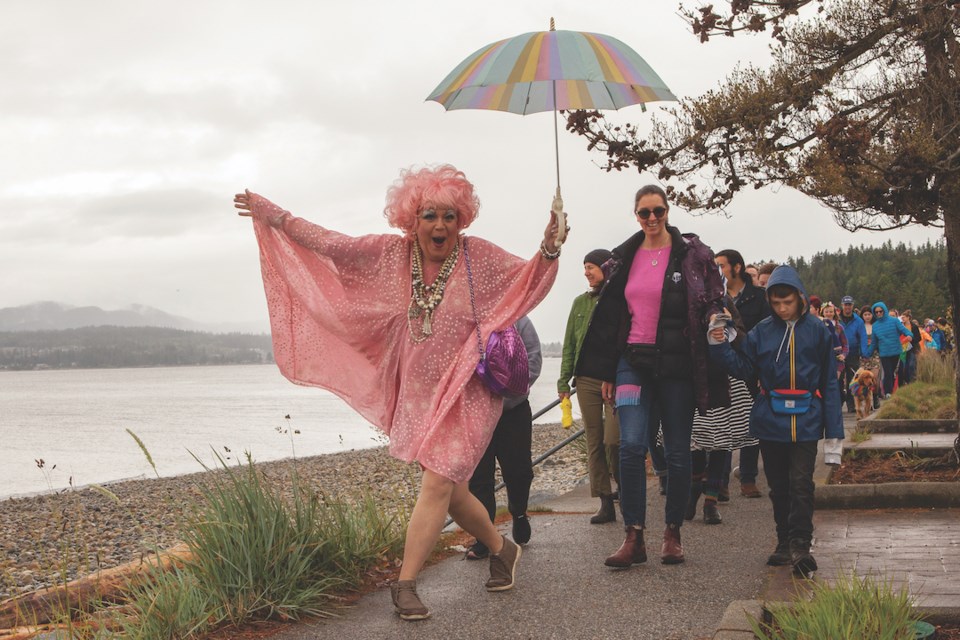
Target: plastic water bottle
{"type": "Point", "coordinates": [566, 413]}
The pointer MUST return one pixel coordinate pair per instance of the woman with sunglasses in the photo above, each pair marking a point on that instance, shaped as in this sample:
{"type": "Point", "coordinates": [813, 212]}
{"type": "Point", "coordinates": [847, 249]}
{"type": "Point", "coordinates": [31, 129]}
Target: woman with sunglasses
{"type": "Point", "coordinates": [647, 344]}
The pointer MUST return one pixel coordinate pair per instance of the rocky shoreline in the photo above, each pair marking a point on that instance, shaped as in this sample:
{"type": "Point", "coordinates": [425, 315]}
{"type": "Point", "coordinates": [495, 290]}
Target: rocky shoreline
{"type": "Point", "coordinates": [53, 538]}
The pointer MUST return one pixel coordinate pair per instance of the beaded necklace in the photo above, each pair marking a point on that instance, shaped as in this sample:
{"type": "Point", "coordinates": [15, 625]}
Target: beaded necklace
{"type": "Point", "coordinates": [425, 298]}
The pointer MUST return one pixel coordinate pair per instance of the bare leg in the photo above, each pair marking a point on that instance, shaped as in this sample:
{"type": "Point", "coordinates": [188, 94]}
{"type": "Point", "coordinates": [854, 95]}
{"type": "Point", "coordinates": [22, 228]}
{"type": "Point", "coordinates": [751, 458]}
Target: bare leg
{"type": "Point", "coordinates": [426, 522]}
{"type": "Point", "coordinates": [472, 516]}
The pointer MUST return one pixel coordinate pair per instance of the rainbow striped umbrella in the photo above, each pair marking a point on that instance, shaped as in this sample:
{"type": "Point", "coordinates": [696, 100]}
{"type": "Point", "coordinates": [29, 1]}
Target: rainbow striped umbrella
{"type": "Point", "coordinates": [548, 70]}
{"type": "Point", "coordinates": [551, 70]}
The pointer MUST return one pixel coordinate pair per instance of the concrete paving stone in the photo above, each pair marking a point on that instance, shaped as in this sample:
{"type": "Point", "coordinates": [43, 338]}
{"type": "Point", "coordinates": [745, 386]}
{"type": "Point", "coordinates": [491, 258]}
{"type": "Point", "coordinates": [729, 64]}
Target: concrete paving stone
{"type": "Point", "coordinates": [734, 635]}
{"type": "Point", "coordinates": [938, 601]}
{"type": "Point", "coordinates": [907, 442]}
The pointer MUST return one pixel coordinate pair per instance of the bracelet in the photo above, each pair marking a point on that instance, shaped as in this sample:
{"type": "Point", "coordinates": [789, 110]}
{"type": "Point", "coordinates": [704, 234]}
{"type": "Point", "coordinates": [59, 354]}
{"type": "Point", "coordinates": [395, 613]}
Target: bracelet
{"type": "Point", "coordinates": [546, 254]}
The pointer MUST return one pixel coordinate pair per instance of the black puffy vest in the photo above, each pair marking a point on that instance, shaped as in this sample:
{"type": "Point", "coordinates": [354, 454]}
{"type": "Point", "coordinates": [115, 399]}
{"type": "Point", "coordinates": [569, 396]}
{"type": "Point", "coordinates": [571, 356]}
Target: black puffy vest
{"type": "Point", "coordinates": [673, 343]}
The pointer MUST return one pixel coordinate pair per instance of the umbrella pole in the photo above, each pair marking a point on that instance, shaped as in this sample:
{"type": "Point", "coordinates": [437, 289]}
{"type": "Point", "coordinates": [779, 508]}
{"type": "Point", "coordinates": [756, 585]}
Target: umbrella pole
{"type": "Point", "coordinates": [556, 135]}
{"type": "Point", "coordinates": [557, 206]}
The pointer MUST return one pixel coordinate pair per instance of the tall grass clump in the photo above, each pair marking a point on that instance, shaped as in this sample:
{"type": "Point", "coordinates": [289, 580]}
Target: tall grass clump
{"type": "Point", "coordinates": [852, 608]}
{"type": "Point", "coordinates": [168, 605]}
{"type": "Point", "coordinates": [921, 401]}
{"type": "Point", "coordinates": [936, 369]}
{"type": "Point", "coordinates": [260, 554]}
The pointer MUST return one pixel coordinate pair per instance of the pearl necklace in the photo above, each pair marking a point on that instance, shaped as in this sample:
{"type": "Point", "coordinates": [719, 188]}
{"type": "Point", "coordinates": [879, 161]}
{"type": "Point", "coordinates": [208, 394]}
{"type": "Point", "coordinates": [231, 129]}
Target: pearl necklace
{"type": "Point", "coordinates": [424, 298]}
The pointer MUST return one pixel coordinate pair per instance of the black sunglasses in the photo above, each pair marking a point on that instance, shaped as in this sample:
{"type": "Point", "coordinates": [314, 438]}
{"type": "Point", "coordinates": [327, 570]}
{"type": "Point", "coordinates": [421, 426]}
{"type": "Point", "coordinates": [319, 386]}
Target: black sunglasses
{"type": "Point", "coordinates": [659, 212]}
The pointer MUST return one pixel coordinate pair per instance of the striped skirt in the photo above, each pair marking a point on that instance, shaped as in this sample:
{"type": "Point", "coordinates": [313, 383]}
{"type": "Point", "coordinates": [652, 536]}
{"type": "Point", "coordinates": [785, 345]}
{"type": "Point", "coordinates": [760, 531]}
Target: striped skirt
{"type": "Point", "coordinates": [725, 428]}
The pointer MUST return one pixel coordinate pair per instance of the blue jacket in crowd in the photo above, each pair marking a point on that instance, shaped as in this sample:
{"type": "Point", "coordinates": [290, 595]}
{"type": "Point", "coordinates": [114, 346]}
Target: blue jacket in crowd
{"type": "Point", "coordinates": [856, 332]}
{"type": "Point", "coordinates": [785, 355]}
{"type": "Point", "coordinates": [886, 334]}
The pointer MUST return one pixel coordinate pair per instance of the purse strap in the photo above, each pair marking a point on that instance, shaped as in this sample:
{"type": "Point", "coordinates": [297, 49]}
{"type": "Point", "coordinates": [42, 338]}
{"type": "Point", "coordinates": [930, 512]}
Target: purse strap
{"type": "Point", "coordinates": [473, 305]}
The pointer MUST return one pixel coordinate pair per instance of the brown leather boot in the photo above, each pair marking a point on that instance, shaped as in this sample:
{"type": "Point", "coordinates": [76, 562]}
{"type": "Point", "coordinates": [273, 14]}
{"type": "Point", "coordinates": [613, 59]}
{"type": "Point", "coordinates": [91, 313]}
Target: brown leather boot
{"type": "Point", "coordinates": [606, 513]}
{"type": "Point", "coordinates": [672, 550]}
{"type": "Point", "coordinates": [750, 490]}
{"type": "Point", "coordinates": [632, 551]}
{"type": "Point", "coordinates": [406, 601]}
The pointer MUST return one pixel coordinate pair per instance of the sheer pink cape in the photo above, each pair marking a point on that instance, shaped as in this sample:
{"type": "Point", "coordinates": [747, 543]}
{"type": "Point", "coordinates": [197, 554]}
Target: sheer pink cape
{"type": "Point", "coordinates": [338, 315]}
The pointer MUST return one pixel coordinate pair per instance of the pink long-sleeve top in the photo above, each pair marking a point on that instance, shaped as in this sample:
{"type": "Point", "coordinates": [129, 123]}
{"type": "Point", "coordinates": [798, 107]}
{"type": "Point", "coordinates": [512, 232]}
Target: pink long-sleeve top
{"type": "Point", "coordinates": [338, 314]}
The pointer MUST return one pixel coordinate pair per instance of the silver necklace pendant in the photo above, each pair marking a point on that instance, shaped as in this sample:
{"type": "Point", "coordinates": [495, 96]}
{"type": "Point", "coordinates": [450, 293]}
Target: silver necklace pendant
{"type": "Point", "coordinates": [653, 262]}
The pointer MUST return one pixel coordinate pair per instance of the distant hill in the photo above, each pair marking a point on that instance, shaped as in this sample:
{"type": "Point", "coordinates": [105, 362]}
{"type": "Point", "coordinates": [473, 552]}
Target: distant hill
{"type": "Point", "coordinates": [113, 346]}
{"type": "Point", "coordinates": [55, 316]}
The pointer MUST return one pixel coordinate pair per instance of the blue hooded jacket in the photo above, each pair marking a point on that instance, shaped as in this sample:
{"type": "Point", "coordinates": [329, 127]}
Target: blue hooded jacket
{"type": "Point", "coordinates": [856, 332]}
{"type": "Point", "coordinates": [886, 334]}
{"type": "Point", "coordinates": [788, 357]}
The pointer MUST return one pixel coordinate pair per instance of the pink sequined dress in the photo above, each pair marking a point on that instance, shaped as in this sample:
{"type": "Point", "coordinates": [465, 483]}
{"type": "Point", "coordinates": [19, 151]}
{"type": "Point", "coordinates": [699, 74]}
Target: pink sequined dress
{"type": "Point", "coordinates": [338, 315]}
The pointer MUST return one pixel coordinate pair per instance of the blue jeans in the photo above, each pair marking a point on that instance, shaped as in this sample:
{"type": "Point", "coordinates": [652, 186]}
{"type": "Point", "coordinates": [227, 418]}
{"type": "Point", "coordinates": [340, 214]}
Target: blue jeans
{"type": "Point", "coordinates": [642, 404]}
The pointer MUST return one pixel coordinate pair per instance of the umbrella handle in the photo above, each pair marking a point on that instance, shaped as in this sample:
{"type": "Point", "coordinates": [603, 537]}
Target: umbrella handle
{"type": "Point", "coordinates": [557, 208]}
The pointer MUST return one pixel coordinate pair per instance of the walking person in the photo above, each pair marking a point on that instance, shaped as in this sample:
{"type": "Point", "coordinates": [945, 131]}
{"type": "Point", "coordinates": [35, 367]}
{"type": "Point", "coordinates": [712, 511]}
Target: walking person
{"type": "Point", "coordinates": [716, 434]}
{"type": "Point", "coordinates": [751, 303]}
{"type": "Point", "coordinates": [909, 360]}
{"type": "Point", "coordinates": [511, 447]}
{"type": "Point", "coordinates": [387, 323]}
{"type": "Point", "coordinates": [792, 354]}
{"type": "Point", "coordinates": [871, 362]}
{"type": "Point", "coordinates": [647, 341]}
{"type": "Point", "coordinates": [840, 345]}
{"type": "Point", "coordinates": [856, 333]}
{"type": "Point", "coordinates": [885, 333]}
{"type": "Point", "coordinates": [600, 425]}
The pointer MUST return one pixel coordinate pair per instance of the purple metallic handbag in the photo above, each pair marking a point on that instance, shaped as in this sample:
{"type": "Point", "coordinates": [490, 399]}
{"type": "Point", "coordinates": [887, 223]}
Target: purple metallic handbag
{"type": "Point", "coordinates": [503, 365]}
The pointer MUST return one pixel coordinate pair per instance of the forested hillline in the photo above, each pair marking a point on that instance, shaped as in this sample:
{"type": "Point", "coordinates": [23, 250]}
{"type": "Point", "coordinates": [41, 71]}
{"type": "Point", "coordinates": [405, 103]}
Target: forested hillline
{"type": "Point", "coordinates": [116, 347]}
{"type": "Point", "coordinates": [902, 276]}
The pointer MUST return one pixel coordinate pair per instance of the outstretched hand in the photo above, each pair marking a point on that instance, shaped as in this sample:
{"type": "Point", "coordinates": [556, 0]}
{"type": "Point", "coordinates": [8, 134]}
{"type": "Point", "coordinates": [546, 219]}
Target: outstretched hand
{"type": "Point", "coordinates": [242, 201]}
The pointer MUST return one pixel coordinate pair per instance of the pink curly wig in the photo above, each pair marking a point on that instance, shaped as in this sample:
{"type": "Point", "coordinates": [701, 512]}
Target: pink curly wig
{"type": "Point", "coordinates": [442, 185]}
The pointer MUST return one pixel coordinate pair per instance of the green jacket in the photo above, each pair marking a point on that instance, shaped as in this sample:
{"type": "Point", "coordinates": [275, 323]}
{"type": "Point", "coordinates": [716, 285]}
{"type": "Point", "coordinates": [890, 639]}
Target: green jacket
{"type": "Point", "coordinates": [577, 323]}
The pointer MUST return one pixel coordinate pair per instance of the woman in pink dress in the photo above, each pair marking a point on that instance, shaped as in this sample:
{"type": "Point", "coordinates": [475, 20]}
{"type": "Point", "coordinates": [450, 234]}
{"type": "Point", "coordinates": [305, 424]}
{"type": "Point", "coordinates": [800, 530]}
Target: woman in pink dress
{"type": "Point", "coordinates": [386, 323]}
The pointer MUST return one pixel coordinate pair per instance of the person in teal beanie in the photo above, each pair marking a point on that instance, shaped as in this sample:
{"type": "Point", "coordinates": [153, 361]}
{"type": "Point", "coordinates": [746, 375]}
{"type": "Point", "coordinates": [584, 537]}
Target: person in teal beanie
{"type": "Point", "coordinates": [887, 330]}
{"type": "Point", "coordinates": [599, 421]}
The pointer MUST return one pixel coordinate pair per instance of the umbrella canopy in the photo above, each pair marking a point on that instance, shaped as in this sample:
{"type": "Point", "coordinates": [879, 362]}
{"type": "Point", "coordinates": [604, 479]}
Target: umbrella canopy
{"type": "Point", "coordinates": [549, 70]}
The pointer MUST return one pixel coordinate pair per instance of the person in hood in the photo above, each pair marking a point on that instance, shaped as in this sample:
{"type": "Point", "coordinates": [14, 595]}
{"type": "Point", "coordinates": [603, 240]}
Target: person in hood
{"type": "Point", "coordinates": [886, 333]}
{"type": "Point", "coordinates": [791, 353]}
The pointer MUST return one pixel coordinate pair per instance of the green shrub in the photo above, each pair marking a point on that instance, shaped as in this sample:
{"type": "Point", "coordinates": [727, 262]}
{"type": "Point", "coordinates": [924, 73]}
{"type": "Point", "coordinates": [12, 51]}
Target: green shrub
{"type": "Point", "coordinates": [851, 609]}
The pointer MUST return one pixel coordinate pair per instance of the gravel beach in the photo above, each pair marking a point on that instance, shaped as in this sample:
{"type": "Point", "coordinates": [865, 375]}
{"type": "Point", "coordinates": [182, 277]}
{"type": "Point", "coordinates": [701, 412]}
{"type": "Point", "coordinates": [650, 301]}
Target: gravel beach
{"type": "Point", "coordinates": [51, 538]}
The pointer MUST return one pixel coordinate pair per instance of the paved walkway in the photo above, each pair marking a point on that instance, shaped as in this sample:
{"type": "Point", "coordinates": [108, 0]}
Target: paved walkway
{"type": "Point", "coordinates": [564, 590]}
{"type": "Point", "coordinates": [915, 549]}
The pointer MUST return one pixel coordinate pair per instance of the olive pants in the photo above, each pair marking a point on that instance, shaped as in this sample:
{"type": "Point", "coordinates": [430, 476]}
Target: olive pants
{"type": "Point", "coordinates": [603, 436]}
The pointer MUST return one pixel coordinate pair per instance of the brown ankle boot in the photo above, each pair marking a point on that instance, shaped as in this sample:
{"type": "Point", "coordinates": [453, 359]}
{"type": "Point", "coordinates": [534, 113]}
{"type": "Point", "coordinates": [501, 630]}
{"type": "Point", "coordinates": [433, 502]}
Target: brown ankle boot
{"type": "Point", "coordinates": [672, 550]}
{"type": "Point", "coordinates": [632, 551]}
{"type": "Point", "coordinates": [606, 513]}
{"type": "Point", "coordinates": [406, 601]}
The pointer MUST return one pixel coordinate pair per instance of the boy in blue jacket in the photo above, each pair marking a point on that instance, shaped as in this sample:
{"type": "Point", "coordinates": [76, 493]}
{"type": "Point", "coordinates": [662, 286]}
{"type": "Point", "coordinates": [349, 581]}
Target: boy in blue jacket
{"type": "Point", "coordinates": [791, 353]}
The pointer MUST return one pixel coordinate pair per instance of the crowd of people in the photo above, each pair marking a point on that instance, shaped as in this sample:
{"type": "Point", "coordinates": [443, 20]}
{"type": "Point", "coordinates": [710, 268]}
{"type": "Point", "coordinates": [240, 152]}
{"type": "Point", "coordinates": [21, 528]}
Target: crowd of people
{"type": "Point", "coordinates": [673, 351]}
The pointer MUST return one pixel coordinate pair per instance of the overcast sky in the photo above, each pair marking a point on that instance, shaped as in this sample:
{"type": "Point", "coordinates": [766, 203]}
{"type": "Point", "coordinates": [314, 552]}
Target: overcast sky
{"type": "Point", "coordinates": [127, 126]}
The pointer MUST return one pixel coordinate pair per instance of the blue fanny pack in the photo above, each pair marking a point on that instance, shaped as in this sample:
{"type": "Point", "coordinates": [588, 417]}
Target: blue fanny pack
{"type": "Point", "coordinates": [790, 402]}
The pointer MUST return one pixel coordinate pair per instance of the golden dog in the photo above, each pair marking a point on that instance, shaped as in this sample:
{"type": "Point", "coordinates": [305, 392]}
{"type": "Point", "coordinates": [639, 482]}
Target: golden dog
{"type": "Point", "coordinates": [863, 386]}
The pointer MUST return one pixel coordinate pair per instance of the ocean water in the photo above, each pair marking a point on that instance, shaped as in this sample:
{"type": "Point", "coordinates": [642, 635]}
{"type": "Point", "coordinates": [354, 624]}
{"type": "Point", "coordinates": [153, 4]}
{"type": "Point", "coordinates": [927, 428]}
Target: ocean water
{"type": "Point", "coordinates": [68, 427]}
